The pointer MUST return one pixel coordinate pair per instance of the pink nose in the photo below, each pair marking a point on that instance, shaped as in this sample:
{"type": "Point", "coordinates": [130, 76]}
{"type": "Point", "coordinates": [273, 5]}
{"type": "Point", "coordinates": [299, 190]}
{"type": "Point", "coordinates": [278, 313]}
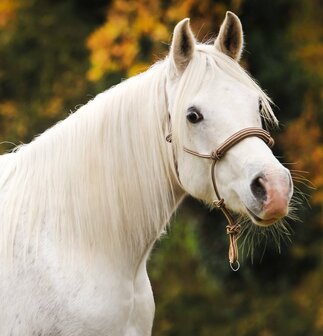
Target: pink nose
{"type": "Point", "coordinates": [274, 192]}
{"type": "Point", "coordinates": [276, 204]}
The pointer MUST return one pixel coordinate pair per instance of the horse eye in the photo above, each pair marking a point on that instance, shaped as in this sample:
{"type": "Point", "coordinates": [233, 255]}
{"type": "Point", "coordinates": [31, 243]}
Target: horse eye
{"type": "Point", "coordinates": [194, 115]}
{"type": "Point", "coordinates": [260, 105]}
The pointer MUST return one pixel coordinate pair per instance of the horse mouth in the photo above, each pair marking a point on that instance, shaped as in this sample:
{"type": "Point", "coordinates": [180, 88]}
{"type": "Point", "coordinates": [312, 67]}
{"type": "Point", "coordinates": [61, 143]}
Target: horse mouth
{"type": "Point", "coordinates": [260, 221]}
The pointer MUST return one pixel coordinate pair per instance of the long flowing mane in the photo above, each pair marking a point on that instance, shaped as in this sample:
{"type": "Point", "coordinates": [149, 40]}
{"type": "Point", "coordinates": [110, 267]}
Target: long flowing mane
{"type": "Point", "coordinates": [105, 175]}
{"type": "Point", "coordinates": [98, 175]}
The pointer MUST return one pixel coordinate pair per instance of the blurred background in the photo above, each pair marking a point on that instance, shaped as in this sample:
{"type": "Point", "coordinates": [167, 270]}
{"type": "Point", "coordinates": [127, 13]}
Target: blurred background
{"type": "Point", "coordinates": [58, 54]}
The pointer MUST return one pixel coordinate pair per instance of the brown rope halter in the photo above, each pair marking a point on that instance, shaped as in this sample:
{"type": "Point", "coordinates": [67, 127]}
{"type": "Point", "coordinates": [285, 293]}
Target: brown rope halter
{"type": "Point", "coordinates": [233, 229]}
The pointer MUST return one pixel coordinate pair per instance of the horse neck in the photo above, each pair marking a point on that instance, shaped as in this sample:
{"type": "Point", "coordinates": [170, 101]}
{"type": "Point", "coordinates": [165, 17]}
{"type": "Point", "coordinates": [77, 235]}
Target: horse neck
{"type": "Point", "coordinates": [105, 173]}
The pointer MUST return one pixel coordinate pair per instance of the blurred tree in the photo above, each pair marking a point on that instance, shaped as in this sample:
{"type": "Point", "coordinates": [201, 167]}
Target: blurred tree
{"type": "Point", "coordinates": [131, 37]}
{"type": "Point", "coordinates": [43, 63]}
{"type": "Point", "coordinates": [8, 9]}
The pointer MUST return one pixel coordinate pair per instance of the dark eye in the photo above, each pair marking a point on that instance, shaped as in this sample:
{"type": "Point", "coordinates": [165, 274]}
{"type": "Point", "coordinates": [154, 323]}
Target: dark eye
{"type": "Point", "coordinates": [194, 115]}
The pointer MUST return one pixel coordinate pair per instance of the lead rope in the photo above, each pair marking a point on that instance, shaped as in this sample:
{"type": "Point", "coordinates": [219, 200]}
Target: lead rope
{"type": "Point", "coordinates": [233, 229]}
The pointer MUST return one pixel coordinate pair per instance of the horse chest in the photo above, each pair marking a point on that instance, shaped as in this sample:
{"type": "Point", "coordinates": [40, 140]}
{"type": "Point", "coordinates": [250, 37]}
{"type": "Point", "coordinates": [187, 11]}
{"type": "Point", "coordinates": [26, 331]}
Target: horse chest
{"type": "Point", "coordinates": [79, 301]}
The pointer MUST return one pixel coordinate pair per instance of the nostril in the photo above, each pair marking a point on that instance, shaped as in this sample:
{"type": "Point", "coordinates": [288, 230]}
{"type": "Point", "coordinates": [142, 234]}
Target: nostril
{"type": "Point", "coordinates": [258, 188]}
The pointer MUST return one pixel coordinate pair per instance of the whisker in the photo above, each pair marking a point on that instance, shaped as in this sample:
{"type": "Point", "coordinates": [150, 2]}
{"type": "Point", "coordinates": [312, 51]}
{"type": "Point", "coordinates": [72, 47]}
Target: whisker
{"type": "Point", "coordinates": [254, 237]}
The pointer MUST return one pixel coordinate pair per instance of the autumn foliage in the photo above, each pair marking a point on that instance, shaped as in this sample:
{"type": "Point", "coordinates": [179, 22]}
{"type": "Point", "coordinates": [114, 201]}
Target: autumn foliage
{"type": "Point", "coordinates": [138, 32]}
{"type": "Point", "coordinates": [8, 10]}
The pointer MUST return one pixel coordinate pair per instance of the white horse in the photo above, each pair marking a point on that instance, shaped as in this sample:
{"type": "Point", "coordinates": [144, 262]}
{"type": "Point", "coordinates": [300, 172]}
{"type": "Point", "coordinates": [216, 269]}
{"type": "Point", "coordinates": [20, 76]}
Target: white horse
{"type": "Point", "coordinates": [82, 205]}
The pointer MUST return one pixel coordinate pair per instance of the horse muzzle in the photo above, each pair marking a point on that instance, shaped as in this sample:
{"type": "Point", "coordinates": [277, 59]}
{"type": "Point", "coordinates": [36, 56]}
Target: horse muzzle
{"type": "Point", "coordinates": [272, 192]}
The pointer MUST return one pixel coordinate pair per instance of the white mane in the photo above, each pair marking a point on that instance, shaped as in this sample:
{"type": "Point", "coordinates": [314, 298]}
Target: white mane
{"type": "Point", "coordinates": [105, 175]}
{"type": "Point", "coordinates": [98, 175]}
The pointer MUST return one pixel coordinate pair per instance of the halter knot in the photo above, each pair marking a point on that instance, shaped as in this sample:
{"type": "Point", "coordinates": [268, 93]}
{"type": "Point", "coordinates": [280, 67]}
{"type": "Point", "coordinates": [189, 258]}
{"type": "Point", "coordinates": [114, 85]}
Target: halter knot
{"type": "Point", "coordinates": [216, 155]}
{"type": "Point", "coordinates": [233, 229]}
{"type": "Point", "coordinates": [218, 204]}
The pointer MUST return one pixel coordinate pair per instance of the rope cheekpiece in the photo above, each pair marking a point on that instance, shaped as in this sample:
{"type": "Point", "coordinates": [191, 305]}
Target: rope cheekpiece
{"type": "Point", "coordinates": [233, 229]}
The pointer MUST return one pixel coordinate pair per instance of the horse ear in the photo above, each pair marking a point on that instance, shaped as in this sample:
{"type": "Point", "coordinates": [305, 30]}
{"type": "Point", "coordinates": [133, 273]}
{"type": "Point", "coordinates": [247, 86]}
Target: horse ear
{"type": "Point", "coordinates": [183, 45]}
{"type": "Point", "coordinates": [230, 38]}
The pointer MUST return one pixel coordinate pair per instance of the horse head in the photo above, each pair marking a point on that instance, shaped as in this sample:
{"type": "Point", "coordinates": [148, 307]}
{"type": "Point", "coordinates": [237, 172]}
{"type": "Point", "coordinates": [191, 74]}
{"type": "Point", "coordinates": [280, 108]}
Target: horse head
{"type": "Point", "coordinates": [210, 99]}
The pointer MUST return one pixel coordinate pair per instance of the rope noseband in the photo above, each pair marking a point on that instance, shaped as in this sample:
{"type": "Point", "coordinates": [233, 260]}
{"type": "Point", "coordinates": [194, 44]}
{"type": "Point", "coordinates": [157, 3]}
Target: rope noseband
{"type": "Point", "coordinates": [233, 229]}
